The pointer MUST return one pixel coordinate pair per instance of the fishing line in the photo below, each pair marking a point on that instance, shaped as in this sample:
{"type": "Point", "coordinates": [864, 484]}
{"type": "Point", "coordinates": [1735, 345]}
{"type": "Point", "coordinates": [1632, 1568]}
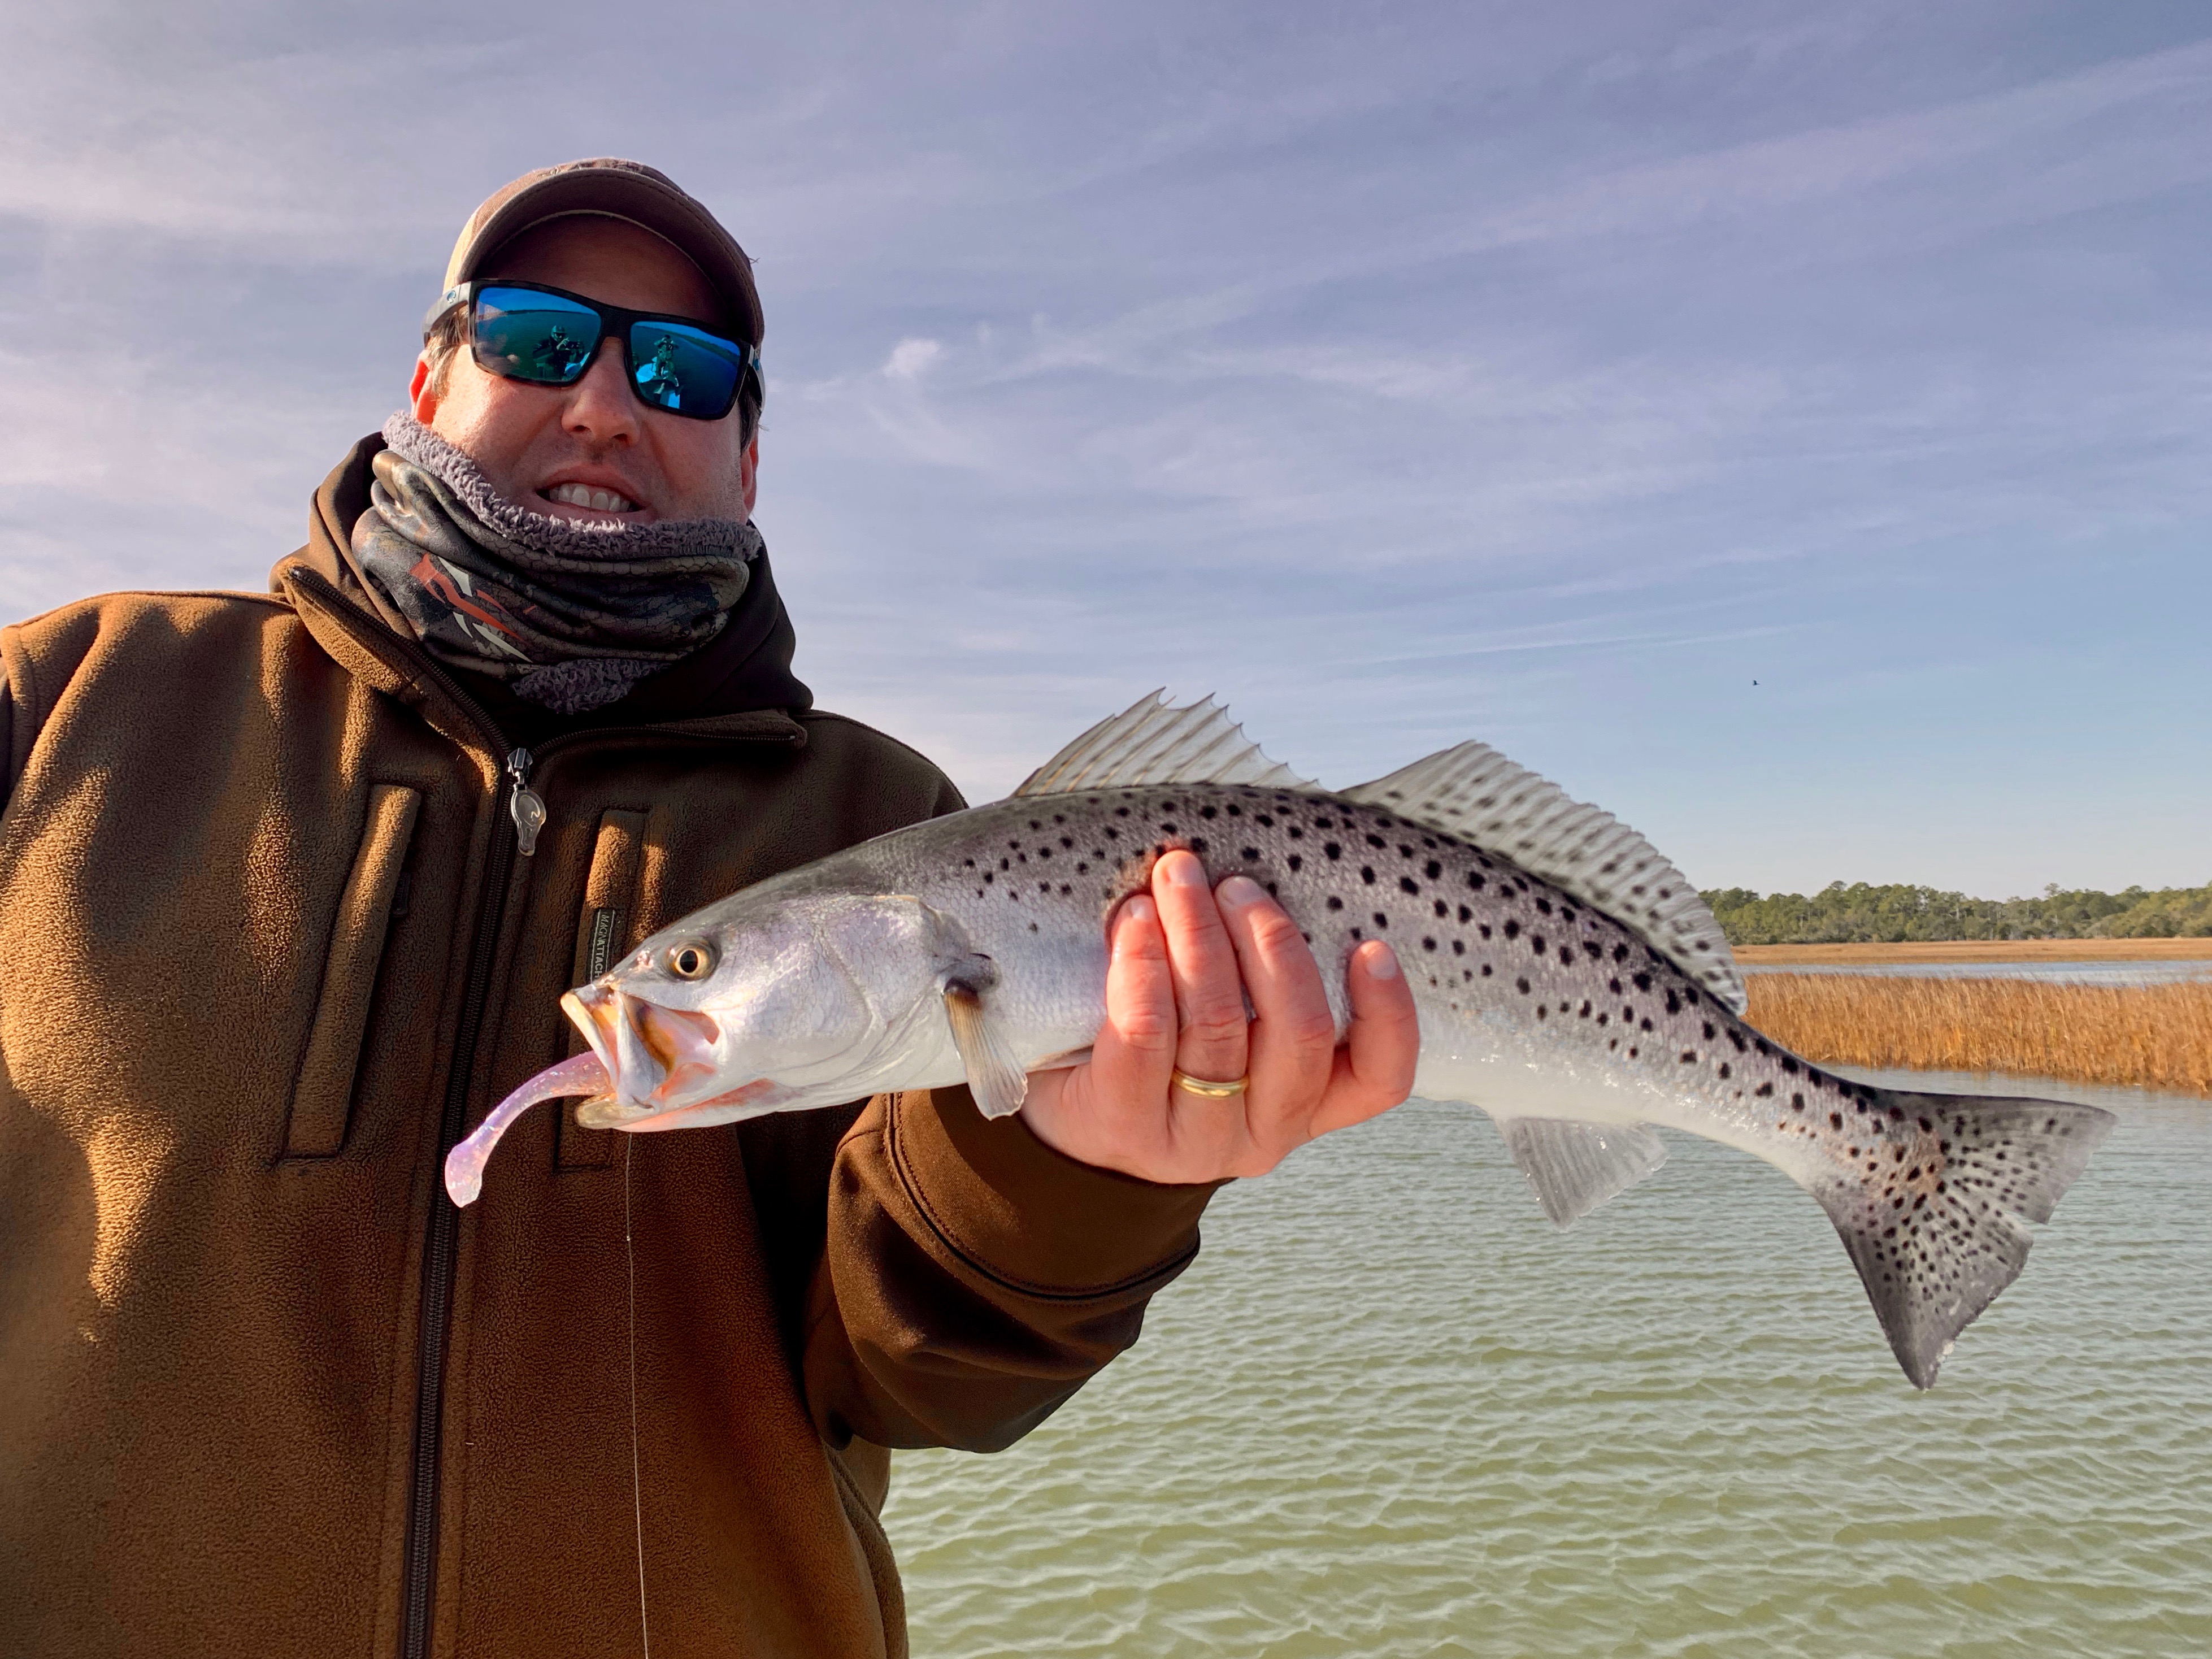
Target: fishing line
{"type": "Point", "coordinates": [636, 1480]}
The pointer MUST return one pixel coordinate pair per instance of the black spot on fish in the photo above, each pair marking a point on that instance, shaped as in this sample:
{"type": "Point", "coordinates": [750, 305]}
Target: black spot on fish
{"type": "Point", "coordinates": [1620, 953]}
{"type": "Point", "coordinates": [1235, 812]}
{"type": "Point", "coordinates": [1332, 850]}
{"type": "Point", "coordinates": [1381, 920]}
{"type": "Point", "coordinates": [1376, 841]}
{"type": "Point", "coordinates": [1543, 907]}
{"type": "Point", "coordinates": [1836, 1122]}
{"type": "Point", "coordinates": [1539, 1011]}
{"type": "Point", "coordinates": [1198, 845]}
{"type": "Point", "coordinates": [1120, 811]}
{"type": "Point", "coordinates": [1264, 820]}
{"type": "Point", "coordinates": [1613, 985]}
{"type": "Point", "coordinates": [987, 874]}
{"type": "Point", "coordinates": [1296, 863]}
{"type": "Point", "coordinates": [1428, 943]}
{"type": "Point", "coordinates": [1486, 970]}
{"type": "Point", "coordinates": [1675, 1005]}
{"type": "Point", "coordinates": [1512, 929]}
{"type": "Point", "coordinates": [1112, 834]}
{"type": "Point", "coordinates": [1367, 874]}
{"type": "Point", "coordinates": [1249, 855]}
{"type": "Point", "coordinates": [1335, 902]}
{"type": "Point", "coordinates": [1595, 950]}
{"type": "Point", "coordinates": [1459, 947]}
{"type": "Point", "coordinates": [1355, 933]}
{"type": "Point", "coordinates": [1536, 943]}
{"type": "Point", "coordinates": [1465, 914]}
{"type": "Point", "coordinates": [1483, 928]}
{"type": "Point", "coordinates": [1037, 824]}
{"type": "Point", "coordinates": [1601, 1018]}
{"type": "Point", "coordinates": [1432, 869]}
{"type": "Point", "coordinates": [1724, 1069]}
{"type": "Point", "coordinates": [1082, 869]}
{"type": "Point", "coordinates": [1475, 881]}
{"type": "Point", "coordinates": [1523, 984]}
{"type": "Point", "coordinates": [1584, 1012]}
{"type": "Point", "coordinates": [1408, 884]}
{"type": "Point", "coordinates": [1643, 981]}
{"type": "Point", "coordinates": [1643, 1025]}
{"type": "Point", "coordinates": [1209, 812]}
{"type": "Point", "coordinates": [1790, 1067]}
{"type": "Point", "coordinates": [1764, 1091]}
{"type": "Point", "coordinates": [1737, 1037]}
{"type": "Point", "coordinates": [1044, 853]}
{"type": "Point", "coordinates": [1689, 1056]}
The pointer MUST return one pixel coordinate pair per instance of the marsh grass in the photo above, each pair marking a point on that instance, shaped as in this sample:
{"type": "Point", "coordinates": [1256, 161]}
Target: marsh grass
{"type": "Point", "coordinates": [2143, 1037]}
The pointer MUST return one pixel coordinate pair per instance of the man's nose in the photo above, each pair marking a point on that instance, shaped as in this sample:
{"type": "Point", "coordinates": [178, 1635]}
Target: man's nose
{"type": "Point", "coordinates": [601, 409]}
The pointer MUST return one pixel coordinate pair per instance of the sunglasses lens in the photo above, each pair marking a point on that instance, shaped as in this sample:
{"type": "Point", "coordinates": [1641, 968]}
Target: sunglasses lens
{"type": "Point", "coordinates": [686, 370]}
{"type": "Point", "coordinates": [528, 335]}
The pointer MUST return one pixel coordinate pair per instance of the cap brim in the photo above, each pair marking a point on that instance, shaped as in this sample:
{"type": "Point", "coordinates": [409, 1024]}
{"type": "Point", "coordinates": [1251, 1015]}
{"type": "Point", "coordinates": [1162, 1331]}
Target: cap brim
{"type": "Point", "coordinates": [625, 194]}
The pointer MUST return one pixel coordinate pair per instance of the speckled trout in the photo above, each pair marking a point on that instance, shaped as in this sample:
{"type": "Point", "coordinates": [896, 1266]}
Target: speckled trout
{"type": "Point", "coordinates": [1569, 983]}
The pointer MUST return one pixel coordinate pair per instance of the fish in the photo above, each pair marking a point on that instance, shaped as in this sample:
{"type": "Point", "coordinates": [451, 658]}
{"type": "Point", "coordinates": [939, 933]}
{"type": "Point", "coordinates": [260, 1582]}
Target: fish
{"type": "Point", "coordinates": [1569, 981]}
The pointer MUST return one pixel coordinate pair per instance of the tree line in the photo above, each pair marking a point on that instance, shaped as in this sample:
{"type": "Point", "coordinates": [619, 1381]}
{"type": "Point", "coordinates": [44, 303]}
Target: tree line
{"type": "Point", "coordinates": [1861, 913]}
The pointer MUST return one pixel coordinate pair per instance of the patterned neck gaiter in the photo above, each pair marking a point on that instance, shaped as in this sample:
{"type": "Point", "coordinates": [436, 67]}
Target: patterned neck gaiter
{"type": "Point", "coordinates": [571, 615]}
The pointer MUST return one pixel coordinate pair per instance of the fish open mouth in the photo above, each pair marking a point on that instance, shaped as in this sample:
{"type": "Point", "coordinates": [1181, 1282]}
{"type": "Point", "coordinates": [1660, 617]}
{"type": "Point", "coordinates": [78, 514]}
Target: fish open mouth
{"type": "Point", "coordinates": [644, 1060]}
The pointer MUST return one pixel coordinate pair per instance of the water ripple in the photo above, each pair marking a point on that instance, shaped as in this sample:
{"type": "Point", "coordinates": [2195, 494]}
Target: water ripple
{"type": "Point", "coordinates": [1390, 1411]}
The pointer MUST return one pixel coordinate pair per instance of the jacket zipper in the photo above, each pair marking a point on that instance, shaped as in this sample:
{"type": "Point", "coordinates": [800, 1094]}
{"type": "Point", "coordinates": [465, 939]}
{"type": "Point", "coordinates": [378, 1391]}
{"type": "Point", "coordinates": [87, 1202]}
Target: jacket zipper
{"type": "Point", "coordinates": [526, 810]}
{"type": "Point", "coordinates": [434, 1333]}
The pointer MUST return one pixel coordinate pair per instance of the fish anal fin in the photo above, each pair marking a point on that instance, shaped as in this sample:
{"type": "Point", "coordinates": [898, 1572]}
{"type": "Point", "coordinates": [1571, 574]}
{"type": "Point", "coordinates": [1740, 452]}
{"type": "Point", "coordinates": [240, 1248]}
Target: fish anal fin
{"type": "Point", "coordinates": [1150, 742]}
{"type": "Point", "coordinates": [996, 1076]}
{"type": "Point", "coordinates": [1474, 793]}
{"type": "Point", "coordinates": [1575, 1167]}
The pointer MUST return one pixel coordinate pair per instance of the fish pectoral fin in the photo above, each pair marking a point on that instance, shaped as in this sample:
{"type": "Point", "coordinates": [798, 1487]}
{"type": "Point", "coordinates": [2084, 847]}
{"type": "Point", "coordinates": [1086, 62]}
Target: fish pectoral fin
{"type": "Point", "coordinates": [995, 1074]}
{"type": "Point", "coordinates": [1575, 1167]}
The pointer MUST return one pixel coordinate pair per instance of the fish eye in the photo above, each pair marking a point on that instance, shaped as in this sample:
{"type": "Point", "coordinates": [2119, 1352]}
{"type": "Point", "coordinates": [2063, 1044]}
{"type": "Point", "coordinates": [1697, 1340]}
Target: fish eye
{"type": "Point", "coordinates": [692, 960]}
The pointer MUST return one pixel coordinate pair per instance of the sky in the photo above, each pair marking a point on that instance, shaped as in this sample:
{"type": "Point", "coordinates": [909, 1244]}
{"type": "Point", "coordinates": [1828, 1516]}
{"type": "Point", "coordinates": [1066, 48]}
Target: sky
{"type": "Point", "coordinates": [1786, 425]}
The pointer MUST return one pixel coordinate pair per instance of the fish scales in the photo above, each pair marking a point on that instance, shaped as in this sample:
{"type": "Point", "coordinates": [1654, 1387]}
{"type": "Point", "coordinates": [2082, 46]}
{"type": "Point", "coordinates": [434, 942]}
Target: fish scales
{"type": "Point", "coordinates": [1565, 1023]}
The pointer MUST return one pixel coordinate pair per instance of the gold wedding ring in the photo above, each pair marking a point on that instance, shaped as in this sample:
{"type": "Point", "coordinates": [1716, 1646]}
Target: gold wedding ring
{"type": "Point", "coordinates": [1208, 1090]}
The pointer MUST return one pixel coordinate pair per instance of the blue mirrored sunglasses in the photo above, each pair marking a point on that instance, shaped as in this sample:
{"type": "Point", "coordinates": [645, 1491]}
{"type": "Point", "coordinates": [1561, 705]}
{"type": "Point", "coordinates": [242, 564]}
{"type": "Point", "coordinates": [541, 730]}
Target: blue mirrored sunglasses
{"type": "Point", "coordinates": [547, 336]}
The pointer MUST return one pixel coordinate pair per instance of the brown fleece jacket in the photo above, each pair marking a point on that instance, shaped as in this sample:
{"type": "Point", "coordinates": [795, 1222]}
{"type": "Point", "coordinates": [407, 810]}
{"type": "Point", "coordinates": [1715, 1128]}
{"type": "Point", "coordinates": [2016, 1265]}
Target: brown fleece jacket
{"type": "Point", "coordinates": [266, 949]}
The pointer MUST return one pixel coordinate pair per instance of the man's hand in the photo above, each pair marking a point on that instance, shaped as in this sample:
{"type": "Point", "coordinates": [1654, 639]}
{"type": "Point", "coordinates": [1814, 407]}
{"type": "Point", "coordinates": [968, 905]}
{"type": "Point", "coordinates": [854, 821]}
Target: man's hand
{"type": "Point", "coordinates": [1183, 962]}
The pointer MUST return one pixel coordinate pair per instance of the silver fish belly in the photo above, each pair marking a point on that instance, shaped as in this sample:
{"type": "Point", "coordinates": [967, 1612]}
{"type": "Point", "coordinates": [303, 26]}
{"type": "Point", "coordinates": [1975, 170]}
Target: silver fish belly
{"type": "Point", "coordinates": [1568, 981]}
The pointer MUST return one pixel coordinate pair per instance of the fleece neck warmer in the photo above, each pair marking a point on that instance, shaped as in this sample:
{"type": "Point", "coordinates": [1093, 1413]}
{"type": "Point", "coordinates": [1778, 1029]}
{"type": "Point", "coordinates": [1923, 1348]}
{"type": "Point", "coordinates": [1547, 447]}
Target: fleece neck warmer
{"type": "Point", "coordinates": [571, 615]}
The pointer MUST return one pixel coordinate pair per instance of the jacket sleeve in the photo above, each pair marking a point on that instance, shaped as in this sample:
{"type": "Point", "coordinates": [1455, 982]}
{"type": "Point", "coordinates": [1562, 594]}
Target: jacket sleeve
{"type": "Point", "coordinates": [972, 1278]}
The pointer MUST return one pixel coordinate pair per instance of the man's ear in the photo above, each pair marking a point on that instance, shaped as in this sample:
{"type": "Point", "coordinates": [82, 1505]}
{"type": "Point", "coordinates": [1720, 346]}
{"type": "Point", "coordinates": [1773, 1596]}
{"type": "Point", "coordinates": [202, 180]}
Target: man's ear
{"type": "Point", "coordinates": [420, 393]}
{"type": "Point", "coordinates": [748, 469]}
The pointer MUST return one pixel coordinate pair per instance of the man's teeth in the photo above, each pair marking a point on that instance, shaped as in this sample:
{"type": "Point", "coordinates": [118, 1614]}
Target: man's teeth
{"type": "Point", "coordinates": [576, 495]}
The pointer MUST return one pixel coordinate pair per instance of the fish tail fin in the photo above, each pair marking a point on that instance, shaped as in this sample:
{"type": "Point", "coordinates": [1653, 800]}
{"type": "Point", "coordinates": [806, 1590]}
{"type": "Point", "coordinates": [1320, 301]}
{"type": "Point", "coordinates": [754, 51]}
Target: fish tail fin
{"type": "Point", "coordinates": [1932, 1213]}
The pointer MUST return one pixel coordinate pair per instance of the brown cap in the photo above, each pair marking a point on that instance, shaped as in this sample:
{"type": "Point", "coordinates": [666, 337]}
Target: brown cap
{"type": "Point", "coordinates": [623, 190]}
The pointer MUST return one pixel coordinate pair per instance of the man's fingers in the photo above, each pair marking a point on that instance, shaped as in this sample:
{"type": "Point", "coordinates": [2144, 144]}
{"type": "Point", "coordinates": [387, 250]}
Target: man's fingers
{"type": "Point", "coordinates": [1209, 993]}
{"type": "Point", "coordinates": [1293, 1036]}
{"type": "Point", "coordinates": [1374, 1071]}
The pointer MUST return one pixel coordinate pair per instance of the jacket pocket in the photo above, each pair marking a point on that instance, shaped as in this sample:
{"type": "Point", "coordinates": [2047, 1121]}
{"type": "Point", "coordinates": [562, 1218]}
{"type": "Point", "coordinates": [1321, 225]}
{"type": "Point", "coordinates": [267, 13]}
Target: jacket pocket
{"type": "Point", "coordinates": [605, 933]}
{"type": "Point", "coordinates": [322, 1098]}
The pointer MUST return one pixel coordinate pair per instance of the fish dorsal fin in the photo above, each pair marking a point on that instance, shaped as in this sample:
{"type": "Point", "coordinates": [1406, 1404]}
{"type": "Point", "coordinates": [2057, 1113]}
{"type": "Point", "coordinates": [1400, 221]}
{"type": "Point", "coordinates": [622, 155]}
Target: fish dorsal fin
{"type": "Point", "coordinates": [1153, 743]}
{"type": "Point", "coordinates": [1474, 793]}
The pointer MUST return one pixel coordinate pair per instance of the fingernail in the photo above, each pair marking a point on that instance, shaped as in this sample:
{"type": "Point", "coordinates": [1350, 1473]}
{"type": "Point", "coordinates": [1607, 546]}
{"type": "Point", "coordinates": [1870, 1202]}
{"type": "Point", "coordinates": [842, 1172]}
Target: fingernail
{"type": "Point", "coordinates": [1184, 872]}
{"type": "Point", "coordinates": [1238, 891]}
{"type": "Point", "coordinates": [1140, 911]}
{"type": "Point", "coordinates": [1382, 962]}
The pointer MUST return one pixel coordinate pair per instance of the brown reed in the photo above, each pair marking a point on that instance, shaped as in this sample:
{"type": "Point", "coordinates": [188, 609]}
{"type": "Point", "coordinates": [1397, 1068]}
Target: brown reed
{"type": "Point", "coordinates": [2141, 1036]}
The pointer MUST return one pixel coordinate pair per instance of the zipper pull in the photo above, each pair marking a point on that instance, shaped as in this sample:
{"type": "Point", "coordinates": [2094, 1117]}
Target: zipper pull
{"type": "Point", "coordinates": [525, 805]}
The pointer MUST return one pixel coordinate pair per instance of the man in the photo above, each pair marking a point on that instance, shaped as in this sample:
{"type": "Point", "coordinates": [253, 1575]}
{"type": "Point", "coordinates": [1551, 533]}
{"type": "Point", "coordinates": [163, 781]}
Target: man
{"type": "Point", "coordinates": [288, 888]}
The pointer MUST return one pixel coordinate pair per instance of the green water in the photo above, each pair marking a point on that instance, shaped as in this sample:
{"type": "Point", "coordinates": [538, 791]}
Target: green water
{"type": "Point", "coordinates": [1391, 1411]}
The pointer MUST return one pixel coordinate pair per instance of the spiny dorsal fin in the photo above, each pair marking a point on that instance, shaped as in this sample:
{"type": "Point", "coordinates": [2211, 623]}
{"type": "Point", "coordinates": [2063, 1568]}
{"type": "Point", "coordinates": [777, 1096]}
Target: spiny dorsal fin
{"type": "Point", "coordinates": [1474, 793]}
{"type": "Point", "coordinates": [1152, 743]}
